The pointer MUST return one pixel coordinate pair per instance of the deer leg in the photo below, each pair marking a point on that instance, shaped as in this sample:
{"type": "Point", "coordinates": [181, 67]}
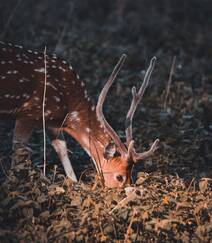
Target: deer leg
{"type": "Point", "coordinates": [21, 136]}
{"type": "Point", "coordinates": [60, 147]}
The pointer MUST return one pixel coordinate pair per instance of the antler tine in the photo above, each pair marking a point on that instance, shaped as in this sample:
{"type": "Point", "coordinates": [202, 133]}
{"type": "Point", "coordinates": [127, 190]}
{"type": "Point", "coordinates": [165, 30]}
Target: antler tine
{"type": "Point", "coordinates": [136, 100]}
{"type": "Point", "coordinates": [136, 157]}
{"type": "Point", "coordinates": [99, 107]}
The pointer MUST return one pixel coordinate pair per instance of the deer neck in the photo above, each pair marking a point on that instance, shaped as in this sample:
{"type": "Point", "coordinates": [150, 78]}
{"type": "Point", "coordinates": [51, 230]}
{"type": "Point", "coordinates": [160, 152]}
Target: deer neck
{"type": "Point", "coordinates": [82, 124]}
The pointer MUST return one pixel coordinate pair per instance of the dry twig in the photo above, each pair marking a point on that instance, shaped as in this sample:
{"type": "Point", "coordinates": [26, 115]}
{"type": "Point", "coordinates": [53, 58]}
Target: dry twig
{"type": "Point", "coordinates": [43, 115]}
{"type": "Point", "coordinates": [169, 82]}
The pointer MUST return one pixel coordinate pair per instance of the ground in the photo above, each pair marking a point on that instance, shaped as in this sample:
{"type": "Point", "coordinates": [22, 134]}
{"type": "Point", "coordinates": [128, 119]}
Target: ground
{"type": "Point", "coordinates": [171, 200]}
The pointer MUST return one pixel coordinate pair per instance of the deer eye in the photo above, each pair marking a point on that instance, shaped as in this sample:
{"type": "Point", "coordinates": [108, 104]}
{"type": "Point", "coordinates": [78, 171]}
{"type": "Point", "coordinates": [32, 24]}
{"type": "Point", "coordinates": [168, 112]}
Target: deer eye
{"type": "Point", "coordinates": [120, 178]}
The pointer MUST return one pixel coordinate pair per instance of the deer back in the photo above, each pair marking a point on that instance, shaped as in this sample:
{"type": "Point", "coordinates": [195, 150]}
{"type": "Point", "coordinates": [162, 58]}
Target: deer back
{"type": "Point", "coordinates": [22, 76]}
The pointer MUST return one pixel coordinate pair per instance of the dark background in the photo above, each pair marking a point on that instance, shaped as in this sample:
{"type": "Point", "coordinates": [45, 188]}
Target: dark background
{"type": "Point", "coordinates": [93, 34]}
{"type": "Point", "coordinates": [173, 188]}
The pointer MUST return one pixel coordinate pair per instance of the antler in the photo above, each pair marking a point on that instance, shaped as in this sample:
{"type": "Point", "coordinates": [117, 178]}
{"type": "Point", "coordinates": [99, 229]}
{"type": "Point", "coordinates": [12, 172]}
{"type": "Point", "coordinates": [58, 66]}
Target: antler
{"type": "Point", "coordinates": [132, 155]}
{"type": "Point", "coordinates": [136, 100]}
{"type": "Point", "coordinates": [135, 157]}
{"type": "Point", "coordinates": [121, 147]}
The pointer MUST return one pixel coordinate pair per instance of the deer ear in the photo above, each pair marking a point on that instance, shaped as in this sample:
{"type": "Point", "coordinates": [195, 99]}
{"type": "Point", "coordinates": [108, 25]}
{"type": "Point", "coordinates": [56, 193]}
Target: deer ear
{"type": "Point", "coordinates": [109, 150]}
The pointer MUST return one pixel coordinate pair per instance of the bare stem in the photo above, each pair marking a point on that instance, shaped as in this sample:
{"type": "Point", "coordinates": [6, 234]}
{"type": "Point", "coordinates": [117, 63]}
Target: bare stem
{"type": "Point", "coordinates": [9, 20]}
{"type": "Point", "coordinates": [64, 30]}
{"type": "Point", "coordinates": [43, 115]}
{"type": "Point", "coordinates": [169, 81]}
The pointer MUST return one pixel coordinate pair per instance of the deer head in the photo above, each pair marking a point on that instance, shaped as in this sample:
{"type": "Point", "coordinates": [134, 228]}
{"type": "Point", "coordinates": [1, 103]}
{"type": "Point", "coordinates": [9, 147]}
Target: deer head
{"type": "Point", "coordinates": [120, 157]}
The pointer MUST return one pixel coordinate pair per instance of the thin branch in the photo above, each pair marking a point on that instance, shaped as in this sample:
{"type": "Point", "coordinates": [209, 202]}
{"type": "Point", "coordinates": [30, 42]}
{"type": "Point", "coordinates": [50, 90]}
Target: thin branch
{"type": "Point", "coordinates": [10, 18]}
{"type": "Point", "coordinates": [43, 115]}
{"type": "Point", "coordinates": [62, 33]}
{"type": "Point", "coordinates": [61, 126]}
{"type": "Point", "coordinates": [169, 81]}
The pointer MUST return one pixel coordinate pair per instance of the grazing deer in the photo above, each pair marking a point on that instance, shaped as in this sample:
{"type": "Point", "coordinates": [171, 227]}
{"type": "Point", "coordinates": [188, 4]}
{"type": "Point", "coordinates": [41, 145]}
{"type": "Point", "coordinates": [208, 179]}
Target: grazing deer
{"type": "Point", "coordinates": [22, 76]}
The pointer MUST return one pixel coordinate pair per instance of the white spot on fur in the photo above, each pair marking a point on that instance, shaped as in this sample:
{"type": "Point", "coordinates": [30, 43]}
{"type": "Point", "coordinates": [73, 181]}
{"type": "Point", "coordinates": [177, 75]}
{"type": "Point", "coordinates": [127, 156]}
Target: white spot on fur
{"type": "Point", "coordinates": [21, 47]}
{"type": "Point", "coordinates": [57, 99]}
{"type": "Point", "coordinates": [23, 80]}
{"type": "Point", "coordinates": [25, 96]}
{"type": "Point", "coordinates": [63, 69]}
{"type": "Point", "coordinates": [86, 93]}
{"type": "Point", "coordinates": [40, 70]}
{"type": "Point", "coordinates": [47, 112]}
{"type": "Point", "coordinates": [74, 116]}
{"type": "Point", "coordinates": [25, 104]}
{"type": "Point", "coordinates": [87, 129]}
{"type": "Point", "coordinates": [51, 85]}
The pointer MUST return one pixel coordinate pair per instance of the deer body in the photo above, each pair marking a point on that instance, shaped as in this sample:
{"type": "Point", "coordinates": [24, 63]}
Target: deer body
{"type": "Point", "coordinates": [67, 108]}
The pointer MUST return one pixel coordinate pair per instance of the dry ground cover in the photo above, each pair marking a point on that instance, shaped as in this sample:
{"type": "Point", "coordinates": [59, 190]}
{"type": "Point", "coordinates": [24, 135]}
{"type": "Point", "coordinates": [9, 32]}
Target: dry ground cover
{"type": "Point", "coordinates": [171, 199]}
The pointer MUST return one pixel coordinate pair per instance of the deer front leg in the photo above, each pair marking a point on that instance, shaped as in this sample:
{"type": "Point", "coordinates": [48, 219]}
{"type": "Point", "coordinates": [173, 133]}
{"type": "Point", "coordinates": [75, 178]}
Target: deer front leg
{"type": "Point", "coordinates": [60, 147]}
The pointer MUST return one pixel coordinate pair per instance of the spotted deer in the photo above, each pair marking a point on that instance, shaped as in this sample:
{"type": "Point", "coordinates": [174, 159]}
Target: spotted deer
{"type": "Point", "coordinates": [67, 109]}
